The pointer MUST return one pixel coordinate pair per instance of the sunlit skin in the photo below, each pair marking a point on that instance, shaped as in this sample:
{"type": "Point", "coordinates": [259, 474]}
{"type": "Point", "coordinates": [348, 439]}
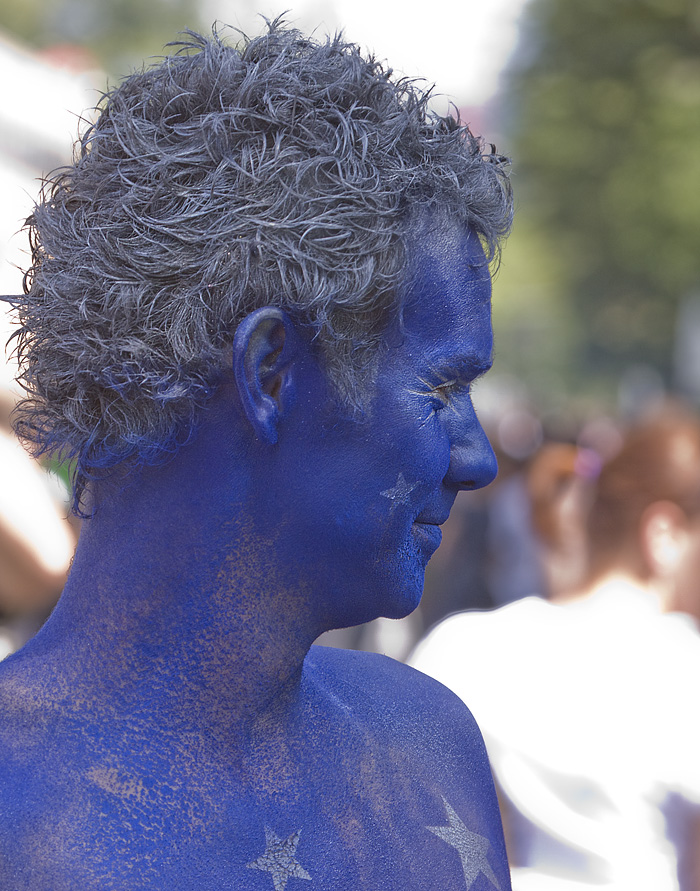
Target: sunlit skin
{"type": "Point", "coordinates": [172, 727]}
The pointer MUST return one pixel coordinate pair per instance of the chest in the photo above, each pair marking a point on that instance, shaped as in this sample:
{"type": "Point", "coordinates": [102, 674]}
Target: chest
{"type": "Point", "coordinates": [379, 827]}
{"type": "Point", "coordinates": [343, 850]}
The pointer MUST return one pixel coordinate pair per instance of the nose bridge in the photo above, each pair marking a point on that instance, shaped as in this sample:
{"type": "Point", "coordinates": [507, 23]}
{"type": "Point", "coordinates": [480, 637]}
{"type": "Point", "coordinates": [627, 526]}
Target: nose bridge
{"type": "Point", "coordinates": [472, 460]}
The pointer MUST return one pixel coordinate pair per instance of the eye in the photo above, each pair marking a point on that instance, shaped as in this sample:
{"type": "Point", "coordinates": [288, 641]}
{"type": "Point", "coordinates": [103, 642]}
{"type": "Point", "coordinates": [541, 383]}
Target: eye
{"type": "Point", "coordinates": [443, 393]}
{"type": "Point", "coordinates": [440, 394]}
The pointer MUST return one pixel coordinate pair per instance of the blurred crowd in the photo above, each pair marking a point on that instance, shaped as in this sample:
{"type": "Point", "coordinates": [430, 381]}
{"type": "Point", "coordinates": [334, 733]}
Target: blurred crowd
{"type": "Point", "coordinates": [39, 120]}
{"type": "Point", "coordinates": [37, 538]}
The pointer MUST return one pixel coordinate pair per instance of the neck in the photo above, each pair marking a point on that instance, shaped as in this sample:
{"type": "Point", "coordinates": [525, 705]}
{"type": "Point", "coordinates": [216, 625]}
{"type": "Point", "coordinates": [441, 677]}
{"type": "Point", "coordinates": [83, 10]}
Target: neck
{"type": "Point", "coordinates": [617, 581]}
{"type": "Point", "coordinates": [177, 598]}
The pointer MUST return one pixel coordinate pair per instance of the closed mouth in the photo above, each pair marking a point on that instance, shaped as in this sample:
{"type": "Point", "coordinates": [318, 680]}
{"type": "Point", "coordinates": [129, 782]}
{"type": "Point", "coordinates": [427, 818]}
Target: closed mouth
{"type": "Point", "coordinates": [430, 532]}
{"type": "Point", "coordinates": [430, 521]}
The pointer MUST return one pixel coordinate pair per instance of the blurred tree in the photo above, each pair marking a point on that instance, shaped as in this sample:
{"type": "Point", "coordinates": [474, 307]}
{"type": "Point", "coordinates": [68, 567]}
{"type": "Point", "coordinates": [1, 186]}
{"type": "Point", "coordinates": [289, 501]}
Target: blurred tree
{"type": "Point", "coordinates": [119, 33]}
{"type": "Point", "coordinates": [604, 110]}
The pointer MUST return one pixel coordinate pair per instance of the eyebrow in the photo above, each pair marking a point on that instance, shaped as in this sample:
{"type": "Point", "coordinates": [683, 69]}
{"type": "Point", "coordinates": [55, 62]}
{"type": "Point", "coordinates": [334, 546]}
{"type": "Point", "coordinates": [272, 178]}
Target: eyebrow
{"type": "Point", "coordinates": [462, 367]}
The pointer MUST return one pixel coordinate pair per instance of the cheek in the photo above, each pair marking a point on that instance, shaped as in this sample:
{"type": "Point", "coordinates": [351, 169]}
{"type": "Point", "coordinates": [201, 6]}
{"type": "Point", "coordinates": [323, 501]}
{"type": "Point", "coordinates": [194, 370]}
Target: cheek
{"type": "Point", "coordinates": [439, 449]}
{"type": "Point", "coordinates": [423, 448]}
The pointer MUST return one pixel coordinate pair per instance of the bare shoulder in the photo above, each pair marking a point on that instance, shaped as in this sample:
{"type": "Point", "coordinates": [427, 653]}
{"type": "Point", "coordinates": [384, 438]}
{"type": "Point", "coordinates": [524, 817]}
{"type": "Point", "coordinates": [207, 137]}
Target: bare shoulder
{"type": "Point", "coordinates": [29, 764]}
{"type": "Point", "coordinates": [387, 778]}
{"type": "Point", "coordinates": [31, 720]}
{"type": "Point", "coordinates": [377, 681]}
{"type": "Point", "coordinates": [408, 707]}
{"type": "Point", "coordinates": [27, 712]}
{"type": "Point", "coordinates": [428, 757]}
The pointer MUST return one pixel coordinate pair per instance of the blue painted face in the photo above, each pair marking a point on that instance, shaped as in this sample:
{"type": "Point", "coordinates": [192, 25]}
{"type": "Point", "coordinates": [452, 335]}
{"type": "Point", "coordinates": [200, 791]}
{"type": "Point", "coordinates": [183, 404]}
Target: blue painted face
{"type": "Point", "coordinates": [381, 487]}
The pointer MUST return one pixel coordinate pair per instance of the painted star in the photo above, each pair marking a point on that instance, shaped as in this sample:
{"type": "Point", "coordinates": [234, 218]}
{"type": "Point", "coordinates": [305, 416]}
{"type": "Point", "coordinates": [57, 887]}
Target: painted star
{"type": "Point", "coordinates": [399, 493]}
{"type": "Point", "coordinates": [280, 860]}
{"type": "Point", "coordinates": [471, 847]}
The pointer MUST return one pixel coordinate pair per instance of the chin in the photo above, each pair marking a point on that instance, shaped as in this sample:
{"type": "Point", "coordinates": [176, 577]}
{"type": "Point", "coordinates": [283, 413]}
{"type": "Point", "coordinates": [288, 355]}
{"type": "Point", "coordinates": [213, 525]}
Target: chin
{"type": "Point", "coordinates": [403, 592]}
{"type": "Point", "coordinates": [392, 598]}
{"type": "Point", "coordinates": [390, 588]}
{"type": "Point", "coordinates": [401, 610]}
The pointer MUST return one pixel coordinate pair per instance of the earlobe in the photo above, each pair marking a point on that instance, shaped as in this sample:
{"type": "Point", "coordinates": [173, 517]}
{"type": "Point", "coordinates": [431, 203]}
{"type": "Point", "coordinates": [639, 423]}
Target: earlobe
{"type": "Point", "coordinates": [663, 536]}
{"type": "Point", "coordinates": [264, 352]}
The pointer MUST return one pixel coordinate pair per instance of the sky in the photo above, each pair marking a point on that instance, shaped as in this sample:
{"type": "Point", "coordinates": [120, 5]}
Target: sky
{"type": "Point", "coordinates": [460, 45]}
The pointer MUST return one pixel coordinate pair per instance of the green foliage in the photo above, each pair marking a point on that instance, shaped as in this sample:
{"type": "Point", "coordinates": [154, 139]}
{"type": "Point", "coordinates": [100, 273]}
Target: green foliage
{"type": "Point", "coordinates": [606, 141]}
{"type": "Point", "coordinates": [119, 33]}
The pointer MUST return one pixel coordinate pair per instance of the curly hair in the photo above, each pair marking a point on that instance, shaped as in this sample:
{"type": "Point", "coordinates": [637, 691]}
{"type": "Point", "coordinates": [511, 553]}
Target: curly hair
{"type": "Point", "coordinates": [281, 171]}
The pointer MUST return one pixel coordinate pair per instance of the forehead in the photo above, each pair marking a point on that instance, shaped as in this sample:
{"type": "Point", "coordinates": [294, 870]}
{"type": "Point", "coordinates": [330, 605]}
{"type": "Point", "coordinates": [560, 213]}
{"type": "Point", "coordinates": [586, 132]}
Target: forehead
{"type": "Point", "coordinates": [447, 299]}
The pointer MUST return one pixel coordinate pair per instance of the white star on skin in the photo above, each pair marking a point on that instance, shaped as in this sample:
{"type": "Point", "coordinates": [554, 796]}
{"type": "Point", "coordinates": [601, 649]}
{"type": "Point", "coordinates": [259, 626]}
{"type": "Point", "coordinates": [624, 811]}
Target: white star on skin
{"type": "Point", "coordinates": [471, 847]}
{"type": "Point", "coordinates": [399, 493]}
{"type": "Point", "coordinates": [280, 860]}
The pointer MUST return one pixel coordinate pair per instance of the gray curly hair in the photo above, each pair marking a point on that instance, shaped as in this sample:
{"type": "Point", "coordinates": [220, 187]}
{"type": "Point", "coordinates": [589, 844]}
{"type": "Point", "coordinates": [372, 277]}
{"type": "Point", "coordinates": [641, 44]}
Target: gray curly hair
{"type": "Point", "coordinates": [220, 180]}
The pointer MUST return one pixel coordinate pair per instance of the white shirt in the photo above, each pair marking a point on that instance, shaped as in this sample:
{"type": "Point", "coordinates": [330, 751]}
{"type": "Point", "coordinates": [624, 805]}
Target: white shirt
{"type": "Point", "coordinates": [590, 717]}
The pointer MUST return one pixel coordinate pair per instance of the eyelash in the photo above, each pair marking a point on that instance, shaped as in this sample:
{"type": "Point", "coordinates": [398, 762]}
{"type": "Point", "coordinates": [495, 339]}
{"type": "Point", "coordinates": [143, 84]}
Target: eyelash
{"type": "Point", "coordinates": [444, 391]}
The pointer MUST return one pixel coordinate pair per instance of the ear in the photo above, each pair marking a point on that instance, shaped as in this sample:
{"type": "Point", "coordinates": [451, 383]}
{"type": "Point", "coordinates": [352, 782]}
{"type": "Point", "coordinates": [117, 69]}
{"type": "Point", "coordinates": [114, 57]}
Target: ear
{"type": "Point", "coordinates": [663, 530]}
{"type": "Point", "coordinates": [265, 348]}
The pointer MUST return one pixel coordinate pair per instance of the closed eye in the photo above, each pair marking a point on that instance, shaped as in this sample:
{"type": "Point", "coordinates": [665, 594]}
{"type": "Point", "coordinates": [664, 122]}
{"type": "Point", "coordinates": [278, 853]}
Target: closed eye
{"type": "Point", "coordinates": [441, 394]}
{"type": "Point", "coordinates": [445, 390]}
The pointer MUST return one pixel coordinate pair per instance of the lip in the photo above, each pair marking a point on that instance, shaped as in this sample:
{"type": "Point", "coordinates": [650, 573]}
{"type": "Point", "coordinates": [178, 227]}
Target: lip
{"type": "Point", "coordinates": [431, 519]}
{"type": "Point", "coordinates": [429, 533]}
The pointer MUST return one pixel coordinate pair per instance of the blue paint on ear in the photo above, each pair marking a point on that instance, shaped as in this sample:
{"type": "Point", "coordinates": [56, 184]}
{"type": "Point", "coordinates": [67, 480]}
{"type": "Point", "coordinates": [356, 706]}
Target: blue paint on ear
{"type": "Point", "coordinates": [265, 347]}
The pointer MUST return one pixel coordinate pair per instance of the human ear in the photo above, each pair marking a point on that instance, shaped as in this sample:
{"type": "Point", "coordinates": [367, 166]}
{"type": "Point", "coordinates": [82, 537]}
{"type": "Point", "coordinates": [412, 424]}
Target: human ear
{"type": "Point", "coordinates": [662, 529]}
{"type": "Point", "coordinates": [265, 347]}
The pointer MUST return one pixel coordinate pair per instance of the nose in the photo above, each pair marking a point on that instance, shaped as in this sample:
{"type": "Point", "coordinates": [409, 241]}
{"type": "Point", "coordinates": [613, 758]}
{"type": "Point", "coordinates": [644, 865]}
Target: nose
{"type": "Point", "coordinates": [473, 463]}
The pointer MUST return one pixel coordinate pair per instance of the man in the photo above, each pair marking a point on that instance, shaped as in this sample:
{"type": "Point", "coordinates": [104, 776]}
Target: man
{"type": "Point", "coordinates": [256, 306]}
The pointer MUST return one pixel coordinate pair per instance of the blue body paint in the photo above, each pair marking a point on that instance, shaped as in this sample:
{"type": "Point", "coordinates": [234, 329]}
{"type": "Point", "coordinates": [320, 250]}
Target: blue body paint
{"type": "Point", "coordinates": [238, 239]}
{"type": "Point", "coordinates": [170, 727]}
